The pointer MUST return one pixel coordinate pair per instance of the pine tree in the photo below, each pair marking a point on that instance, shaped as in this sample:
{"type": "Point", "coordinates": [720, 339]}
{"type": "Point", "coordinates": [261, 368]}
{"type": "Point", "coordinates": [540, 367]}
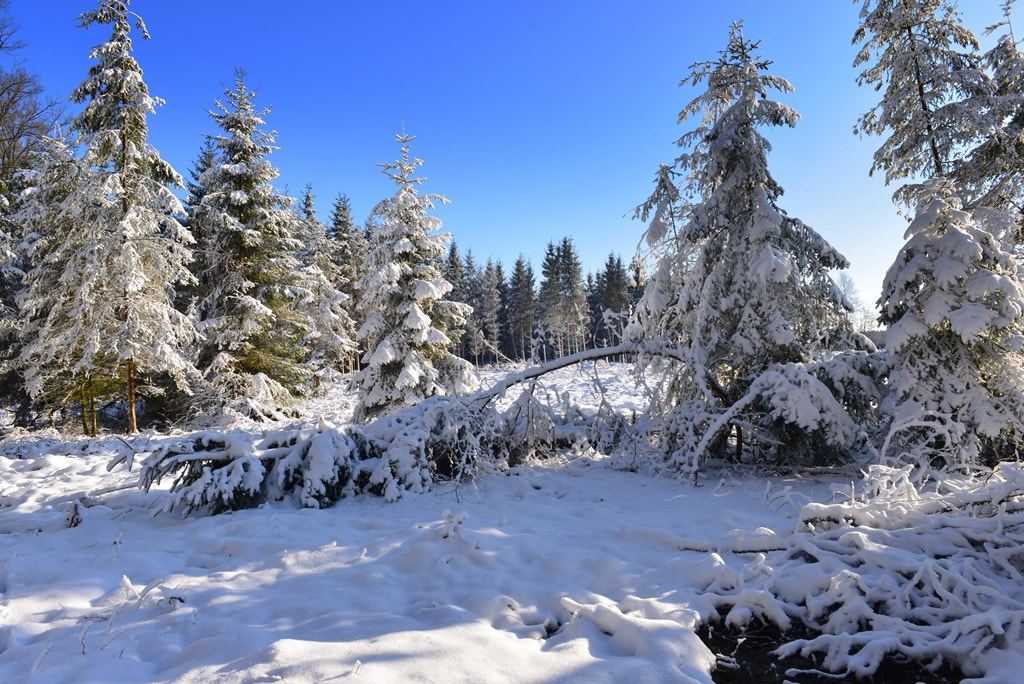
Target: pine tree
{"type": "Point", "coordinates": [575, 312]}
{"type": "Point", "coordinates": [522, 308]}
{"type": "Point", "coordinates": [100, 300]}
{"type": "Point", "coordinates": [202, 251]}
{"type": "Point", "coordinates": [991, 175]}
{"type": "Point", "coordinates": [953, 301]}
{"type": "Point", "coordinates": [489, 314]}
{"type": "Point", "coordinates": [253, 328]}
{"type": "Point", "coordinates": [470, 292]}
{"type": "Point", "coordinates": [453, 272]}
{"type": "Point", "coordinates": [404, 292]}
{"type": "Point", "coordinates": [564, 314]}
{"type": "Point", "coordinates": [350, 252]}
{"type": "Point", "coordinates": [926, 63]}
{"type": "Point", "coordinates": [612, 297]}
{"type": "Point", "coordinates": [757, 299]}
{"type": "Point", "coordinates": [330, 340]}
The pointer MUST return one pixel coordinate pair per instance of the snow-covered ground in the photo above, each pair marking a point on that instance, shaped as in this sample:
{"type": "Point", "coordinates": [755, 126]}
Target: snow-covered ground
{"type": "Point", "coordinates": [560, 571]}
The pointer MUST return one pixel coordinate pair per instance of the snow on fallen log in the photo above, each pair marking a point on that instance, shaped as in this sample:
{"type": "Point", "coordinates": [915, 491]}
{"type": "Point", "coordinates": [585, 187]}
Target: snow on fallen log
{"type": "Point", "coordinates": [442, 438]}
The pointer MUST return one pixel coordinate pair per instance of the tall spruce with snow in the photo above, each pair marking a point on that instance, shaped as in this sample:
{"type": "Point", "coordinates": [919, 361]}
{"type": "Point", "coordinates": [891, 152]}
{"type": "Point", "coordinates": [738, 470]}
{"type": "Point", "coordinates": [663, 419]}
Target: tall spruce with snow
{"type": "Point", "coordinates": [250, 316]}
{"type": "Point", "coordinates": [611, 310]}
{"type": "Point", "coordinates": [562, 300]}
{"type": "Point", "coordinates": [521, 311]}
{"type": "Point", "coordinates": [349, 252]}
{"type": "Point", "coordinates": [991, 175]}
{"type": "Point", "coordinates": [953, 301]}
{"type": "Point", "coordinates": [757, 302]}
{"type": "Point", "coordinates": [928, 68]}
{"type": "Point", "coordinates": [330, 340]}
{"type": "Point", "coordinates": [13, 266]}
{"type": "Point", "coordinates": [488, 309]}
{"type": "Point", "coordinates": [408, 355]}
{"type": "Point", "coordinates": [100, 298]}
{"type": "Point", "coordinates": [469, 291]}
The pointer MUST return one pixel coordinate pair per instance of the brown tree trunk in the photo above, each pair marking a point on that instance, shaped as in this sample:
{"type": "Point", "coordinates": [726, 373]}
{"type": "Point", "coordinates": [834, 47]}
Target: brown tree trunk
{"type": "Point", "coordinates": [84, 405]}
{"type": "Point", "coordinates": [133, 426]}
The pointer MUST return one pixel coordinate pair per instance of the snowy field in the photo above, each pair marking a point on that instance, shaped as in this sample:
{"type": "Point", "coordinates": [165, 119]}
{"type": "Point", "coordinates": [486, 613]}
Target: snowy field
{"type": "Point", "coordinates": [564, 570]}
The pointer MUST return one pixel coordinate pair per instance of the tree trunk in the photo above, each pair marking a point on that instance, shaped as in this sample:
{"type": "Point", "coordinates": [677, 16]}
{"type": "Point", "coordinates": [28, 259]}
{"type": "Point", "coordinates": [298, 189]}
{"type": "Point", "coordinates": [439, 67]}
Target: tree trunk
{"type": "Point", "coordinates": [923, 101]}
{"type": "Point", "coordinates": [83, 404]}
{"type": "Point", "coordinates": [133, 426]}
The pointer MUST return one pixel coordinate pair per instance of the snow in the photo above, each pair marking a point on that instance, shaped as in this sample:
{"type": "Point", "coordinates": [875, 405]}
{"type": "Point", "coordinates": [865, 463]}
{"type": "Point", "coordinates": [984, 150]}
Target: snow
{"type": "Point", "coordinates": [565, 569]}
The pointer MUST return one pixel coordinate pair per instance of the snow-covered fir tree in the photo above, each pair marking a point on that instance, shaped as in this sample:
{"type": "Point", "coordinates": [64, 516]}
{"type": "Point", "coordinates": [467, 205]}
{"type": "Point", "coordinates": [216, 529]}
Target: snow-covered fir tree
{"type": "Point", "coordinates": [195, 291]}
{"type": "Point", "coordinates": [611, 310]}
{"type": "Point", "coordinates": [926, 64]}
{"type": "Point", "coordinates": [252, 356]}
{"type": "Point", "coordinates": [454, 272]}
{"type": "Point", "coordinates": [349, 252]}
{"type": "Point", "coordinates": [756, 302]}
{"type": "Point", "coordinates": [469, 291]}
{"type": "Point", "coordinates": [521, 310]}
{"type": "Point", "coordinates": [330, 340]}
{"type": "Point", "coordinates": [99, 306]}
{"type": "Point", "coordinates": [489, 312]}
{"type": "Point", "coordinates": [562, 301]}
{"type": "Point", "coordinates": [665, 213]}
{"type": "Point", "coordinates": [954, 302]}
{"type": "Point", "coordinates": [408, 355]}
{"type": "Point", "coordinates": [13, 265]}
{"type": "Point", "coordinates": [991, 175]}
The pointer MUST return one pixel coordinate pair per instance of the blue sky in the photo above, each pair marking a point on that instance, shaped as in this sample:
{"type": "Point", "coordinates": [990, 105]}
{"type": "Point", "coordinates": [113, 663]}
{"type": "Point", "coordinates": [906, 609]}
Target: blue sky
{"type": "Point", "coordinates": [536, 119]}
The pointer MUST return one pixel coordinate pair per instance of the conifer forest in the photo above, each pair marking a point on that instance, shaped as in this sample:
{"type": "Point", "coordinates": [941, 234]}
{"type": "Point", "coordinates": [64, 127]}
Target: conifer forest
{"type": "Point", "coordinates": [240, 441]}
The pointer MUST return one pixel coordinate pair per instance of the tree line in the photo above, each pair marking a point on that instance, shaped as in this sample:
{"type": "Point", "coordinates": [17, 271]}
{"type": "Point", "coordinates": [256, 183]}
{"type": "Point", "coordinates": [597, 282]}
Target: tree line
{"type": "Point", "coordinates": [238, 298]}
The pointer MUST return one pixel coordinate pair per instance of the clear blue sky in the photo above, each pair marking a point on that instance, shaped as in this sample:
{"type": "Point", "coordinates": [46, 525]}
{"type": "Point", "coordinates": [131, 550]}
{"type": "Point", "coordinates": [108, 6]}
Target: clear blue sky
{"type": "Point", "coordinates": [536, 119]}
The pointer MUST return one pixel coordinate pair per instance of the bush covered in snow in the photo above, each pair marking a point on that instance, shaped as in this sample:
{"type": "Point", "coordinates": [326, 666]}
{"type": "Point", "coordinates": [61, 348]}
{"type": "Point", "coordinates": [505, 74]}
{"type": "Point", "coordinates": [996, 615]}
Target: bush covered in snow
{"type": "Point", "coordinates": [929, 574]}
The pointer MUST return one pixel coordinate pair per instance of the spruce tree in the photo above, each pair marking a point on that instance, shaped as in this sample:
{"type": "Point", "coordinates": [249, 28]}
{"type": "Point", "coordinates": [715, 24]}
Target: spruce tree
{"type": "Point", "coordinates": [562, 301]}
{"type": "Point", "coordinates": [351, 248]}
{"type": "Point", "coordinates": [469, 291]}
{"type": "Point", "coordinates": [612, 297]}
{"type": "Point", "coordinates": [991, 175]}
{"type": "Point", "coordinates": [253, 327]}
{"type": "Point", "coordinates": [522, 308]}
{"type": "Point", "coordinates": [453, 272]}
{"type": "Point", "coordinates": [330, 339]}
{"type": "Point", "coordinates": [953, 301]}
{"type": "Point", "coordinates": [489, 314]}
{"type": "Point", "coordinates": [927, 66]}
{"type": "Point", "coordinates": [757, 302]}
{"type": "Point", "coordinates": [108, 314]}
{"type": "Point", "coordinates": [408, 355]}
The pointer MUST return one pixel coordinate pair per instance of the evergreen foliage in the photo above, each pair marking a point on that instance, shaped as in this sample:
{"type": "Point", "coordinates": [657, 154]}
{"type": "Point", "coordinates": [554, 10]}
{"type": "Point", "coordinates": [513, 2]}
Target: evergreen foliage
{"type": "Point", "coordinates": [612, 302]}
{"type": "Point", "coordinates": [521, 310]}
{"type": "Point", "coordinates": [99, 305]}
{"type": "Point", "coordinates": [991, 175]}
{"type": "Point", "coordinates": [756, 303]}
{"type": "Point", "coordinates": [927, 66]}
{"type": "Point", "coordinates": [349, 250]}
{"type": "Point", "coordinates": [564, 315]}
{"type": "Point", "coordinates": [252, 356]}
{"type": "Point", "coordinates": [330, 341]}
{"type": "Point", "coordinates": [407, 332]}
{"type": "Point", "coordinates": [954, 302]}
